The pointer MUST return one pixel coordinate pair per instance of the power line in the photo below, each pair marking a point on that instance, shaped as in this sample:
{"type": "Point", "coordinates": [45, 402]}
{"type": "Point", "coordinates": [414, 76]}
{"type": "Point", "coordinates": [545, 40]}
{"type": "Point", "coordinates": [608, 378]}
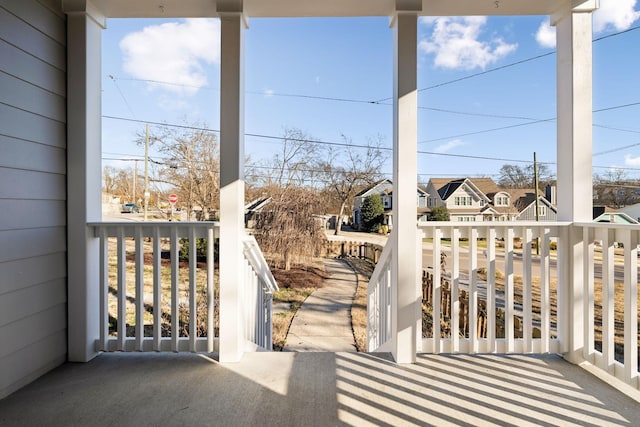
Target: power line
{"type": "Point", "coordinates": [613, 150]}
{"type": "Point", "coordinates": [364, 146]}
{"type": "Point", "coordinates": [113, 79]}
{"type": "Point", "coordinates": [487, 130]}
{"type": "Point", "coordinates": [502, 67]}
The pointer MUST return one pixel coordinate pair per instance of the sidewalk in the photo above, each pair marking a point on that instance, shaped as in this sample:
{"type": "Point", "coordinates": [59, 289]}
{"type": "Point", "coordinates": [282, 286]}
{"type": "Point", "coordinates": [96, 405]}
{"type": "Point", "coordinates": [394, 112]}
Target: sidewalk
{"type": "Point", "coordinates": [323, 322]}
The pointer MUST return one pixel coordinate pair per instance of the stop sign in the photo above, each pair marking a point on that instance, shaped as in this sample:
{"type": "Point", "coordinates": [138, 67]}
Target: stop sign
{"type": "Point", "coordinates": [173, 198]}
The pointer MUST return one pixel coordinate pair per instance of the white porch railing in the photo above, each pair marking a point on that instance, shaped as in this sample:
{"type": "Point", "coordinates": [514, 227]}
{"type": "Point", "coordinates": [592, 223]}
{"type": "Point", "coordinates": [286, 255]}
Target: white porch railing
{"type": "Point", "coordinates": [379, 303]}
{"type": "Point", "coordinates": [610, 284]}
{"type": "Point", "coordinates": [497, 293]}
{"type": "Point", "coordinates": [483, 313]}
{"type": "Point", "coordinates": [257, 295]}
{"type": "Point", "coordinates": [152, 301]}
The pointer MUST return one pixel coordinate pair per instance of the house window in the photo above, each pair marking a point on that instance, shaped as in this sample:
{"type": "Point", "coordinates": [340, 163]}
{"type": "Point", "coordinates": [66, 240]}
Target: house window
{"type": "Point", "coordinates": [502, 201]}
{"type": "Point", "coordinates": [462, 201]}
{"type": "Point", "coordinates": [542, 211]}
{"type": "Point", "coordinates": [467, 218]}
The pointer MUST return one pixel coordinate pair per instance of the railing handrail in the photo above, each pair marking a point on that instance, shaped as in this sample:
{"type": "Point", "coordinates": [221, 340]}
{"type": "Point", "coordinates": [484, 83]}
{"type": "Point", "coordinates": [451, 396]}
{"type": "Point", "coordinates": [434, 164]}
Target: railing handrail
{"type": "Point", "coordinates": [488, 224]}
{"type": "Point", "coordinates": [382, 261]}
{"type": "Point", "coordinates": [259, 263]}
{"type": "Point", "coordinates": [111, 228]}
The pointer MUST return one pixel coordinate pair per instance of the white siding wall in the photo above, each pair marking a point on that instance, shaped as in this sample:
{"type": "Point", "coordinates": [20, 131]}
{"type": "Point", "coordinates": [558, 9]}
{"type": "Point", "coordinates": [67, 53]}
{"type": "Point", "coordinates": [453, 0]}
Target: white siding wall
{"type": "Point", "coordinates": [32, 191]}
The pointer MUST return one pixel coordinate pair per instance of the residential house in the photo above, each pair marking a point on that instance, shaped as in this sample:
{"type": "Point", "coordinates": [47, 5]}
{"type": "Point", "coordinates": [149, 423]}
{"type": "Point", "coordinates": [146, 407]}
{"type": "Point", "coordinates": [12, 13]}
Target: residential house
{"type": "Point", "coordinates": [253, 209]}
{"type": "Point", "coordinates": [615, 216]}
{"type": "Point", "coordinates": [384, 189]}
{"type": "Point", "coordinates": [480, 199]}
{"type": "Point", "coordinates": [53, 282]}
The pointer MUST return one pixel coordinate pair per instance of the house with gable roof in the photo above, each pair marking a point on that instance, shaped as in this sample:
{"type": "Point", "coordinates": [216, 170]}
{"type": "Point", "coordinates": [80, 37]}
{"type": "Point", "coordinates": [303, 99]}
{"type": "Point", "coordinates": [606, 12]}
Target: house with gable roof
{"type": "Point", "coordinates": [481, 199]}
{"type": "Point", "coordinates": [384, 188]}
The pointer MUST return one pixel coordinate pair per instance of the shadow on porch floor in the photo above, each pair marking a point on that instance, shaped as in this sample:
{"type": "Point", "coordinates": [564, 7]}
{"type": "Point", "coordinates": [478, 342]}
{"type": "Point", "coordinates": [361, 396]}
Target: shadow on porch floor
{"type": "Point", "coordinates": [318, 389]}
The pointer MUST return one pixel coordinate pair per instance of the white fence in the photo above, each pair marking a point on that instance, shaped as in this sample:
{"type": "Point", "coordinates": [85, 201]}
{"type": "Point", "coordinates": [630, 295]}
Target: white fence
{"type": "Point", "coordinates": [150, 300]}
{"type": "Point", "coordinates": [524, 287]}
{"type": "Point", "coordinates": [379, 302]}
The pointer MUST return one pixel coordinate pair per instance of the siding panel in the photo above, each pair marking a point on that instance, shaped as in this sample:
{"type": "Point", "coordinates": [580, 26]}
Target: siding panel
{"type": "Point", "coordinates": [20, 154]}
{"type": "Point", "coordinates": [18, 33]}
{"type": "Point", "coordinates": [24, 184]}
{"type": "Point", "coordinates": [33, 257]}
{"type": "Point", "coordinates": [25, 96]}
{"type": "Point", "coordinates": [36, 299]}
{"type": "Point", "coordinates": [27, 364]}
{"type": "Point", "coordinates": [31, 69]}
{"type": "Point", "coordinates": [20, 214]}
{"type": "Point", "coordinates": [18, 244]}
{"type": "Point", "coordinates": [26, 331]}
{"type": "Point", "coordinates": [40, 17]}
{"type": "Point", "coordinates": [25, 272]}
{"type": "Point", "coordinates": [31, 127]}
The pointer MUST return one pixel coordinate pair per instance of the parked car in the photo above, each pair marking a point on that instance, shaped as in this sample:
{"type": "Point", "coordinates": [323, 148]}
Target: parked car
{"type": "Point", "coordinates": [130, 208]}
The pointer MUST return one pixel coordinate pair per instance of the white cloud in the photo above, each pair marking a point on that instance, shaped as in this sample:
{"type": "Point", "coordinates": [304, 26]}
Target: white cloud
{"type": "Point", "coordinates": [629, 160]}
{"type": "Point", "coordinates": [546, 34]}
{"type": "Point", "coordinates": [617, 15]}
{"type": "Point", "coordinates": [456, 43]}
{"type": "Point", "coordinates": [448, 146]}
{"type": "Point", "coordinates": [268, 92]}
{"type": "Point", "coordinates": [174, 52]}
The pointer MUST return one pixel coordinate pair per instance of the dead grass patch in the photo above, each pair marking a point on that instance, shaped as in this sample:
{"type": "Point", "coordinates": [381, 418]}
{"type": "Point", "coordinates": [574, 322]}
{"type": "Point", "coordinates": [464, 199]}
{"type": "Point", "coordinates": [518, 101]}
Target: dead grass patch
{"type": "Point", "coordinates": [295, 286]}
{"type": "Point", "coordinates": [363, 269]}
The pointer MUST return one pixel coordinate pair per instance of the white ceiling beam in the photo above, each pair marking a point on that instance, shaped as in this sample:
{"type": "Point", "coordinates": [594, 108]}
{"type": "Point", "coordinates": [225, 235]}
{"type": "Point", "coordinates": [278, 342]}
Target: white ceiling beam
{"type": "Point", "coordinates": [327, 8]}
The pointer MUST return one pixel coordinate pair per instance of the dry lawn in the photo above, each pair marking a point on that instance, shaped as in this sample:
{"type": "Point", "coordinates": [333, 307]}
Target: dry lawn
{"type": "Point", "coordinates": [363, 269]}
{"type": "Point", "coordinates": [295, 286]}
{"type": "Point", "coordinates": [148, 291]}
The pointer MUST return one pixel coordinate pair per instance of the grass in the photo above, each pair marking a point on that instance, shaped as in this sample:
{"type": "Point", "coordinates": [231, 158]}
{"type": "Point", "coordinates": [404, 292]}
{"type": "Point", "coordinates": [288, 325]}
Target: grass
{"type": "Point", "coordinates": [295, 286]}
{"type": "Point", "coordinates": [165, 289]}
{"type": "Point", "coordinates": [363, 269]}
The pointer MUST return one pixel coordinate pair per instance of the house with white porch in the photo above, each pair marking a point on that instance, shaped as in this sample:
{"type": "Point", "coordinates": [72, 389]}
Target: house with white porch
{"type": "Point", "coordinates": [60, 303]}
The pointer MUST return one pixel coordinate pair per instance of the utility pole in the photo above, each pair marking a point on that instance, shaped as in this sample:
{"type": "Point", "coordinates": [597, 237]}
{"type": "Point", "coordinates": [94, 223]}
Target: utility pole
{"type": "Point", "coordinates": [135, 179]}
{"type": "Point", "coordinates": [146, 171]}
{"type": "Point", "coordinates": [535, 189]}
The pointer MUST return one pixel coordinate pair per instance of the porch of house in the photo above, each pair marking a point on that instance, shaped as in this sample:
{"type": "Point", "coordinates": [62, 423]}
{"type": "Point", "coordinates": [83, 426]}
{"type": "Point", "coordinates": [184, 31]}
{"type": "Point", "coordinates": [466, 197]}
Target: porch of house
{"type": "Point", "coordinates": [319, 389]}
{"type": "Point", "coordinates": [324, 388]}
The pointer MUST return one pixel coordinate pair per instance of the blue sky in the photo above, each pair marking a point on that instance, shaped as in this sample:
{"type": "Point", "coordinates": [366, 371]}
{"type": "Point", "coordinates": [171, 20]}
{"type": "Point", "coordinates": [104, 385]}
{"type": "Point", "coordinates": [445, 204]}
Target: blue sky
{"type": "Point", "coordinates": [321, 76]}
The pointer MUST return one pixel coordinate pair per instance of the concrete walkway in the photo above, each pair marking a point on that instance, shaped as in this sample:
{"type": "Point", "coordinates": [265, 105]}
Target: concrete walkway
{"type": "Point", "coordinates": [323, 322]}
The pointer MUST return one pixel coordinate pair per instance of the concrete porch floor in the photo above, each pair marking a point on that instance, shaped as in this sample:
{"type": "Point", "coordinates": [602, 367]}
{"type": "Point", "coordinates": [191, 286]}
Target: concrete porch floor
{"type": "Point", "coordinates": [318, 389]}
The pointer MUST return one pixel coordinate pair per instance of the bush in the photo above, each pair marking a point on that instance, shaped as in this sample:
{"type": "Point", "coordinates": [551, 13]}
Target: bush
{"type": "Point", "coordinates": [201, 249]}
{"type": "Point", "coordinates": [372, 212]}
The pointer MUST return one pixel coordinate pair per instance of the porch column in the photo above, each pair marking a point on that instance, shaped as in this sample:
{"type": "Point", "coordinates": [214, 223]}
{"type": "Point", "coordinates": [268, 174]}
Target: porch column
{"type": "Point", "coordinates": [574, 151]}
{"type": "Point", "coordinates": [231, 183]}
{"type": "Point", "coordinates": [84, 174]}
{"type": "Point", "coordinates": [405, 271]}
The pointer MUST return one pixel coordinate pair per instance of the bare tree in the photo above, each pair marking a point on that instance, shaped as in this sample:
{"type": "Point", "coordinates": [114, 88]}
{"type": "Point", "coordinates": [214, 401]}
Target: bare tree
{"type": "Point", "coordinates": [516, 176]}
{"type": "Point", "coordinates": [293, 164]}
{"type": "Point", "coordinates": [191, 164]}
{"type": "Point", "coordinates": [289, 228]}
{"type": "Point", "coordinates": [615, 189]}
{"type": "Point", "coordinates": [119, 182]}
{"type": "Point", "coordinates": [346, 171]}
